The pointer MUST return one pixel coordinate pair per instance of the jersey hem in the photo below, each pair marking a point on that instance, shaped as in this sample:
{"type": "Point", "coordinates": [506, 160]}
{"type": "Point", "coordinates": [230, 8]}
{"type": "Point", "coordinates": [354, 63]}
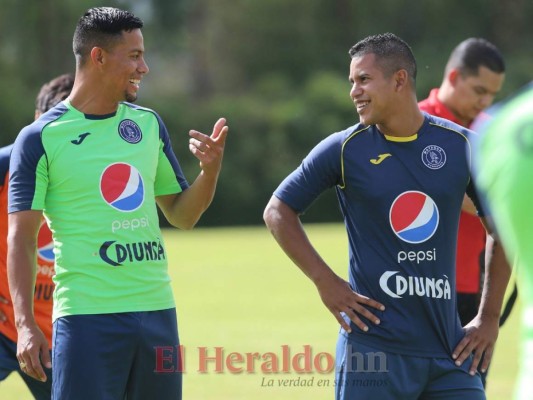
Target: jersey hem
{"type": "Point", "coordinates": [393, 349]}
{"type": "Point", "coordinates": [126, 308]}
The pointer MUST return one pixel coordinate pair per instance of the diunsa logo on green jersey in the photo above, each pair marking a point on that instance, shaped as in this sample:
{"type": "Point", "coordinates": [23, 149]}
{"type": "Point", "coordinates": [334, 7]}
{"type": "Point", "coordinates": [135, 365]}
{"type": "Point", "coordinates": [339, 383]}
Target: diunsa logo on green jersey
{"type": "Point", "coordinates": [116, 254]}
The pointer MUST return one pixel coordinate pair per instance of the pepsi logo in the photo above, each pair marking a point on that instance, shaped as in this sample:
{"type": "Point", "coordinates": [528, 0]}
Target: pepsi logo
{"type": "Point", "coordinates": [45, 244]}
{"type": "Point", "coordinates": [122, 187]}
{"type": "Point", "coordinates": [414, 217]}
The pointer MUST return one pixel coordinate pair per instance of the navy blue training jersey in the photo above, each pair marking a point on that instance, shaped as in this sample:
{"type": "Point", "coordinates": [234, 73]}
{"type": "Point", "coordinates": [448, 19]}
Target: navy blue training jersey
{"type": "Point", "coordinates": [5, 153]}
{"type": "Point", "coordinates": [400, 198]}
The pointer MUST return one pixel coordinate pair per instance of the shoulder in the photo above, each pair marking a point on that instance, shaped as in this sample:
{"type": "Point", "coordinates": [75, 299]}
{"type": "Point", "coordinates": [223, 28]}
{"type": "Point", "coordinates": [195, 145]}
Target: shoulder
{"type": "Point", "coordinates": [30, 139]}
{"type": "Point", "coordinates": [357, 136]}
{"type": "Point", "coordinates": [34, 131]}
{"type": "Point", "coordinates": [140, 110]}
{"type": "Point", "coordinates": [447, 128]}
{"type": "Point", "coordinates": [430, 103]}
{"type": "Point", "coordinates": [5, 153]}
{"type": "Point", "coordinates": [334, 144]}
{"type": "Point", "coordinates": [141, 114]}
{"type": "Point", "coordinates": [358, 130]}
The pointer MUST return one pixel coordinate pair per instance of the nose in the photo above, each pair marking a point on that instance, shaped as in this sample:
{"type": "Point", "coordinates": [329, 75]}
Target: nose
{"type": "Point", "coordinates": [355, 91]}
{"type": "Point", "coordinates": [486, 100]}
{"type": "Point", "coordinates": [143, 66]}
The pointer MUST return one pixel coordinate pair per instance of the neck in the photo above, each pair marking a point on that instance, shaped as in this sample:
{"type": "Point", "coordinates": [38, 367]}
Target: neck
{"type": "Point", "coordinates": [445, 96]}
{"type": "Point", "coordinates": [405, 122]}
{"type": "Point", "coordinates": [87, 98]}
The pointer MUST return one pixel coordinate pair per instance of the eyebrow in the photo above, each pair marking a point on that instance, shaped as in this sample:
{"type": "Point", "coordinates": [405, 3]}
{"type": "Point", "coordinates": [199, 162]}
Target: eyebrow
{"type": "Point", "coordinates": [485, 89]}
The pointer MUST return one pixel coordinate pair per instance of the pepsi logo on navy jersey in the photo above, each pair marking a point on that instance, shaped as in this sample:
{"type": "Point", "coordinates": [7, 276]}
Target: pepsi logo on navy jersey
{"type": "Point", "coordinates": [122, 187]}
{"type": "Point", "coordinates": [45, 244]}
{"type": "Point", "coordinates": [434, 157]}
{"type": "Point", "coordinates": [130, 131]}
{"type": "Point", "coordinates": [414, 217]}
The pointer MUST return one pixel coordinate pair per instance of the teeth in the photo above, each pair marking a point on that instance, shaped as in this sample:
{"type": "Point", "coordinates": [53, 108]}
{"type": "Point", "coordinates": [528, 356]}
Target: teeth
{"type": "Point", "coordinates": [135, 81]}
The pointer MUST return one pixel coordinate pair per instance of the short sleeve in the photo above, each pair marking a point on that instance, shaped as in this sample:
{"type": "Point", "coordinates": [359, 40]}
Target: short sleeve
{"type": "Point", "coordinates": [320, 170]}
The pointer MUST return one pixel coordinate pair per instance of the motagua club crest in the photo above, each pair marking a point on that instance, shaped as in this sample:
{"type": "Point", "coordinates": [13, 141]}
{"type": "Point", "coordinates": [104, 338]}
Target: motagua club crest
{"type": "Point", "coordinates": [130, 131]}
{"type": "Point", "coordinates": [434, 157]}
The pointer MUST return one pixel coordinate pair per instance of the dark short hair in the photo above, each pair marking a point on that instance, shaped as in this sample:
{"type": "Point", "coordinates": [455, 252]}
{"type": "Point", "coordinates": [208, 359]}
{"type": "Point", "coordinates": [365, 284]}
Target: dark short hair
{"type": "Point", "coordinates": [473, 53]}
{"type": "Point", "coordinates": [53, 92]}
{"type": "Point", "coordinates": [391, 52]}
{"type": "Point", "coordinates": [101, 27]}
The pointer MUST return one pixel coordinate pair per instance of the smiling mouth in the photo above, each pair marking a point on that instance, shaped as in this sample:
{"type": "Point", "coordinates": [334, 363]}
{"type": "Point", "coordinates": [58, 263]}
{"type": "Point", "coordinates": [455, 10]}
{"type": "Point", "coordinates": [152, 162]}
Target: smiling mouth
{"type": "Point", "coordinates": [135, 82]}
{"type": "Point", "coordinates": [361, 105]}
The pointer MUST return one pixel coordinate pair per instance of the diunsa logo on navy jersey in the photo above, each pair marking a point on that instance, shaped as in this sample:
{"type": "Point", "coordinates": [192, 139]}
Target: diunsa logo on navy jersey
{"type": "Point", "coordinates": [433, 157]}
{"type": "Point", "coordinates": [130, 131]}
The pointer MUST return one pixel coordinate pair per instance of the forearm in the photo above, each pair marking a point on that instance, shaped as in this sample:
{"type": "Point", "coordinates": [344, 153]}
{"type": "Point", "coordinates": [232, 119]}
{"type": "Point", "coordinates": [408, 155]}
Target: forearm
{"type": "Point", "coordinates": [496, 279]}
{"type": "Point", "coordinates": [285, 226]}
{"type": "Point", "coordinates": [468, 206]}
{"type": "Point", "coordinates": [336, 293]}
{"type": "Point", "coordinates": [21, 261]}
{"type": "Point", "coordinates": [187, 207]}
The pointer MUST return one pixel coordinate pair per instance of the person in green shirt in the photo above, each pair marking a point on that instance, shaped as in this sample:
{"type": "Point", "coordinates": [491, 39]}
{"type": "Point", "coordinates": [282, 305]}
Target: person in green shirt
{"type": "Point", "coordinates": [503, 166]}
{"type": "Point", "coordinates": [97, 165]}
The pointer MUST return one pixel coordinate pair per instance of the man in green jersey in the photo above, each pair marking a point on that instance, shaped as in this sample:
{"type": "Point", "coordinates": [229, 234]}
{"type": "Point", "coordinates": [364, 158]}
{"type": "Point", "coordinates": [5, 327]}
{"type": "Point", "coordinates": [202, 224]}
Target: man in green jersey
{"type": "Point", "coordinates": [504, 169]}
{"type": "Point", "coordinates": [97, 165]}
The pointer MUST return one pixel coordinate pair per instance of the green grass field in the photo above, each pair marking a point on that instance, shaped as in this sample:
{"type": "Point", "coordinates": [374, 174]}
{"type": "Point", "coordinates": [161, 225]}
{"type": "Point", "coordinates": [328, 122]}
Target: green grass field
{"type": "Point", "coordinates": [235, 289]}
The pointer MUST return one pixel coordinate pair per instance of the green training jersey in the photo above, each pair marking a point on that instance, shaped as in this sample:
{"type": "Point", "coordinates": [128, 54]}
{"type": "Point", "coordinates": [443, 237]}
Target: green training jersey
{"type": "Point", "coordinates": [96, 179]}
{"type": "Point", "coordinates": [504, 170]}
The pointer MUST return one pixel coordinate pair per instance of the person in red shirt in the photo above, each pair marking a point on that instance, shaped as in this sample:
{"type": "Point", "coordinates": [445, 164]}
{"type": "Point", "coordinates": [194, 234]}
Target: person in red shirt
{"type": "Point", "coordinates": [50, 94]}
{"type": "Point", "coordinates": [474, 74]}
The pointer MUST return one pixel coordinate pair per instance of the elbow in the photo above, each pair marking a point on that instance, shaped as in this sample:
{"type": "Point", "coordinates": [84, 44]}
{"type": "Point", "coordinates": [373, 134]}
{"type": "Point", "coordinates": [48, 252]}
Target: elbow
{"type": "Point", "coordinates": [269, 216]}
{"type": "Point", "coordinates": [186, 225]}
{"type": "Point", "coordinates": [274, 213]}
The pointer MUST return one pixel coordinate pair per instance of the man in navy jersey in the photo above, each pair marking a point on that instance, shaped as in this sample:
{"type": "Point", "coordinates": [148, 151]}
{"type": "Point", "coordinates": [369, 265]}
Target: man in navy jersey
{"type": "Point", "coordinates": [400, 177]}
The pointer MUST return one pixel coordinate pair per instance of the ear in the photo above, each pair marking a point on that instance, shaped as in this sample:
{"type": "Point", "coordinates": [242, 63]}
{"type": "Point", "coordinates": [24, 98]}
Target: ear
{"type": "Point", "coordinates": [401, 79]}
{"type": "Point", "coordinates": [97, 56]}
{"type": "Point", "coordinates": [453, 75]}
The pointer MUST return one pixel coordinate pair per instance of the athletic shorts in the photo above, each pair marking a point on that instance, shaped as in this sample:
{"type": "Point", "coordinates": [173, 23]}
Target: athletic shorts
{"type": "Point", "coordinates": [132, 355]}
{"type": "Point", "coordinates": [9, 363]}
{"type": "Point", "coordinates": [368, 373]}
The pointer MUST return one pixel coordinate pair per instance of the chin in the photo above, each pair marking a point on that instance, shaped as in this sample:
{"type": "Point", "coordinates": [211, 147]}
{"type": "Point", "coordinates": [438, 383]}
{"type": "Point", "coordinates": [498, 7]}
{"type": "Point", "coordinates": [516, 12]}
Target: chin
{"type": "Point", "coordinates": [365, 121]}
{"type": "Point", "coordinates": [130, 97]}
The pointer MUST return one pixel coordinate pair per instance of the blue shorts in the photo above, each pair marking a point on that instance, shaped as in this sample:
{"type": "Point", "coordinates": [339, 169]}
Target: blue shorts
{"type": "Point", "coordinates": [133, 355]}
{"type": "Point", "coordinates": [9, 363]}
{"type": "Point", "coordinates": [367, 373]}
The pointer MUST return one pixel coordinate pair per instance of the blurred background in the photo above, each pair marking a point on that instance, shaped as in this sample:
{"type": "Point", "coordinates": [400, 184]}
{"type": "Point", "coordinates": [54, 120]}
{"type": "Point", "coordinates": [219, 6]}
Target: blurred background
{"type": "Point", "coordinates": [276, 69]}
